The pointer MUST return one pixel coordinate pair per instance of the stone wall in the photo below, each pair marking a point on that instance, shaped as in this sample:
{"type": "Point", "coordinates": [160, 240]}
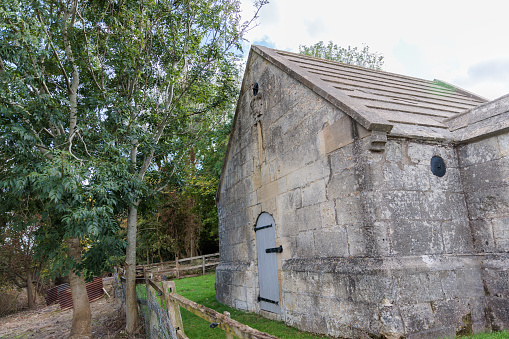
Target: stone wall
{"type": "Point", "coordinates": [276, 164]}
{"type": "Point", "coordinates": [485, 174]}
{"type": "Point", "coordinates": [404, 265]}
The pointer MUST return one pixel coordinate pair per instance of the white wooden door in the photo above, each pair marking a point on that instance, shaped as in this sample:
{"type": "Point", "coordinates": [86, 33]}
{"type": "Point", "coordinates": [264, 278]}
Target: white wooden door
{"type": "Point", "coordinates": [267, 264]}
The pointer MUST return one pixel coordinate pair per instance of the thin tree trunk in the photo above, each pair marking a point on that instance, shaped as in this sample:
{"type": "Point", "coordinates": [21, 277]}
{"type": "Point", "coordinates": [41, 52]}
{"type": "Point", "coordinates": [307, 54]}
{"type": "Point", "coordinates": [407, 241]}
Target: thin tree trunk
{"type": "Point", "coordinates": [158, 239]}
{"type": "Point", "coordinates": [30, 289]}
{"type": "Point", "coordinates": [81, 313]}
{"type": "Point", "coordinates": [132, 318]}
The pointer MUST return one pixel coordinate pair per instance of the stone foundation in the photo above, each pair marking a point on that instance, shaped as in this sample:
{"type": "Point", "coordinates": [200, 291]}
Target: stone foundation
{"type": "Point", "coordinates": [412, 297]}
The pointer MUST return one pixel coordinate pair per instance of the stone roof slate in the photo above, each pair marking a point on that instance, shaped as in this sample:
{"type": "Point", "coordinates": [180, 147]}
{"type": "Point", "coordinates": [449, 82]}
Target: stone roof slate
{"type": "Point", "coordinates": [482, 121]}
{"type": "Point", "coordinates": [378, 100]}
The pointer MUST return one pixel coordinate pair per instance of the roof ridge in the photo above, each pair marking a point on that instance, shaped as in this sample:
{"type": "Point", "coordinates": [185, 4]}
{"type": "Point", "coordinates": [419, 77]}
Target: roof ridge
{"type": "Point", "coordinates": [304, 56]}
{"type": "Point", "coordinates": [437, 82]}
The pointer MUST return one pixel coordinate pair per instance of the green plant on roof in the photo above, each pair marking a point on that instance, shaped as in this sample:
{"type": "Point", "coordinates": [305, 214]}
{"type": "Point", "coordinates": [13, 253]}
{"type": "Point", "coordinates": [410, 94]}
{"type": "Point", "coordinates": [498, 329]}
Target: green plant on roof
{"type": "Point", "coordinates": [444, 85]}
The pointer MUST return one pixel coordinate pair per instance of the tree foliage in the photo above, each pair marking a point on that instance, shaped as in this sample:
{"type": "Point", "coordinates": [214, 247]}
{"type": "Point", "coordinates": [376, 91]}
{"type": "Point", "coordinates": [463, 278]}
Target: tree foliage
{"type": "Point", "coordinates": [350, 55]}
{"type": "Point", "coordinates": [182, 221]}
{"type": "Point", "coordinates": [96, 97]}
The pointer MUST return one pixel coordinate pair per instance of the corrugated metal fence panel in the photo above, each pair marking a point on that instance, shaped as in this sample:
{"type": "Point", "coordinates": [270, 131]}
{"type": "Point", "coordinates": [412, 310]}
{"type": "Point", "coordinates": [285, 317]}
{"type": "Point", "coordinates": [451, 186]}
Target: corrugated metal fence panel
{"type": "Point", "coordinates": [62, 293]}
{"type": "Point", "coordinates": [52, 296]}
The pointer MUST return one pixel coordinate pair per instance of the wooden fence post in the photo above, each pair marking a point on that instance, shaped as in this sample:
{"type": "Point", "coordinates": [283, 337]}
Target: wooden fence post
{"type": "Point", "coordinates": [228, 335]}
{"type": "Point", "coordinates": [173, 308]}
{"type": "Point", "coordinates": [153, 322]}
{"type": "Point", "coordinates": [203, 262]}
{"type": "Point", "coordinates": [177, 267]}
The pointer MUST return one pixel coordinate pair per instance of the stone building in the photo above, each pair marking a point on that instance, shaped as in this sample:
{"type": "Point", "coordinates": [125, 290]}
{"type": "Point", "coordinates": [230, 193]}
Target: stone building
{"type": "Point", "coordinates": [356, 202]}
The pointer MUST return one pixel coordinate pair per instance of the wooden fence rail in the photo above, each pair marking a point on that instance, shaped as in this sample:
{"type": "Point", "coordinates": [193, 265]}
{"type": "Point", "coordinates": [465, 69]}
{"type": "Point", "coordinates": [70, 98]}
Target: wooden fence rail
{"type": "Point", "coordinates": [178, 266]}
{"type": "Point", "coordinates": [216, 319]}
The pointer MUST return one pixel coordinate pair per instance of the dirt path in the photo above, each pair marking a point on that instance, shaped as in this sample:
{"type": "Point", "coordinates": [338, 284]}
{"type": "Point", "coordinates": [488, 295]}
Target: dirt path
{"type": "Point", "coordinates": [51, 322]}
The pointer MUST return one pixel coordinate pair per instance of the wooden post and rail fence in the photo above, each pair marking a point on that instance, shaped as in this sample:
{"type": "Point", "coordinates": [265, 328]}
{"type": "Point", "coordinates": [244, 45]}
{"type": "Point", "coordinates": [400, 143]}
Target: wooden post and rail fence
{"type": "Point", "coordinates": [166, 290]}
{"type": "Point", "coordinates": [177, 267]}
{"type": "Point", "coordinates": [173, 301]}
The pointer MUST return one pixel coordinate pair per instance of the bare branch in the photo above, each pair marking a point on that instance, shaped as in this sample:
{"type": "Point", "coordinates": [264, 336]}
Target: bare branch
{"type": "Point", "coordinates": [88, 57]}
{"type": "Point", "coordinates": [146, 163]}
{"type": "Point", "coordinates": [60, 66]}
{"type": "Point", "coordinates": [84, 144]}
{"type": "Point", "coordinates": [48, 132]}
{"type": "Point", "coordinates": [73, 90]}
{"type": "Point", "coordinates": [71, 137]}
{"type": "Point", "coordinates": [45, 152]}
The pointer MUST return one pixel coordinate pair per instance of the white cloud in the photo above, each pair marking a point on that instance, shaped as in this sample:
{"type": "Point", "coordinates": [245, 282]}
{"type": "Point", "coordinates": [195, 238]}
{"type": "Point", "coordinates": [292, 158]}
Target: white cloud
{"type": "Point", "coordinates": [439, 39]}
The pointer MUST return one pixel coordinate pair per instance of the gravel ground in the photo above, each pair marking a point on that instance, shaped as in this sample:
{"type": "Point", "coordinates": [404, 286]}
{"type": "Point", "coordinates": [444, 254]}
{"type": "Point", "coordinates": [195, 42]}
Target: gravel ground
{"type": "Point", "coordinates": [51, 322]}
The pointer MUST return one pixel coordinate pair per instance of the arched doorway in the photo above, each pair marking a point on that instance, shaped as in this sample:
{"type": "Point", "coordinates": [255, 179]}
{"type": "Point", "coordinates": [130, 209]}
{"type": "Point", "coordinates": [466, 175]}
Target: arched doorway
{"type": "Point", "coordinates": [267, 264]}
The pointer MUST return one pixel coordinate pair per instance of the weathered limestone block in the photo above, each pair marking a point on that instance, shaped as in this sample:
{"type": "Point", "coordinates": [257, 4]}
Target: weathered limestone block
{"type": "Point", "coordinates": [289, 201]}
{"type": "Point", "coordinates": [342, 184]}
{"type": "Point", "coordinates": [503, 144]}
{"type": "Point", "coordinates": [289, 225]}
{"type": "Point", "coordinates": [391, 297]}
{"type": "Point", "coordinates": [331, 243]}
{"type": "Point", "coordinates": [306, 244]}
{"type": "Point", "coordinates": [393, 173]}
{"type": "Point", "coordinates": [391, 324]}
{"type": "Point", "coordinates": [486, 175]}
{"type": "Point", "coordinates": [479, 152]}
{"type": "Point", "coordinates": [308, 218]}
{"type": "Point", "coordinates": [328, 215]}
{"type": "Point", "coordinates": [348, 210]}
{"type": "Point", "coordinates": [488, 203]}
{"type": "Point", "coordinates": [415, 177]}
{"type": "Point", "coordinates": [417, 317]}
{"type": "Point", "coordinates": [457, 236]}
{"type": "Point", "coordinates": [433, 205]}
{"type": "Point", "coordinates": [394, 151]}
{"type": "Point", "coordinates": [401, 205]}
{"type": "Point", "coordinates": [317, 170]}
{"type": "Point", "coordinates": [342, 159]}
{"type": "Point", "coordinates": [314, 193]}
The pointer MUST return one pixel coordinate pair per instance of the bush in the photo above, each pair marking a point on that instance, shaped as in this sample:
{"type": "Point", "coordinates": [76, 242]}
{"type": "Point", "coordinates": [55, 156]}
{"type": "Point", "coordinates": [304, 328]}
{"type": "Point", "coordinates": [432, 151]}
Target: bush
{"type": "Point", "coordinates": [13, 299]}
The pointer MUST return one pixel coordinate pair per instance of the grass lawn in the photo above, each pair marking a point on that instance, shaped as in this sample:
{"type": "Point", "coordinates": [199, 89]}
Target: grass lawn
{"type": "Point", "coordinates": [494, 335]}
{"type": "Point", "coordinates": [201, 290]}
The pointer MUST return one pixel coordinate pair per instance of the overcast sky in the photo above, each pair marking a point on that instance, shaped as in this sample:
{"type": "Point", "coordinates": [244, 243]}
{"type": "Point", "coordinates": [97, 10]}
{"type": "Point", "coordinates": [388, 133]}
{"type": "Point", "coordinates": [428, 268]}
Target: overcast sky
{"type": "Point", "coordinates": [462, 42]}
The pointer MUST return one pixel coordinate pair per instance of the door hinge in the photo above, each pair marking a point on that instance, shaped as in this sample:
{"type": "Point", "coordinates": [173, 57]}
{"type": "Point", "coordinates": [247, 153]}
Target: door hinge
{"type": "Point", "coordinates": [268, 300]}
{"type": "Point", "coordinates": [274, 249]}
{"type": "Point", "coordinates": [262, 227]}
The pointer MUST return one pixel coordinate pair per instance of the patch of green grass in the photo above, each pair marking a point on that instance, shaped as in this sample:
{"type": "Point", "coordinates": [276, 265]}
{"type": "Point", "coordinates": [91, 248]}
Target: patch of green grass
{"type": "Point", "coordinates": [491, 335]}
{"type": "Point", "coordinates": [201, 290]}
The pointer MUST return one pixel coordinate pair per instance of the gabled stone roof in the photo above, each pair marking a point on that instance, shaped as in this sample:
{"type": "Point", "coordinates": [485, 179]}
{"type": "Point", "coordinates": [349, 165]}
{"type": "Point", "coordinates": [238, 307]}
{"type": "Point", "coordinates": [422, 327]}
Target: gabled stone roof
{"type": "Point", "coordinates": [379, 101]}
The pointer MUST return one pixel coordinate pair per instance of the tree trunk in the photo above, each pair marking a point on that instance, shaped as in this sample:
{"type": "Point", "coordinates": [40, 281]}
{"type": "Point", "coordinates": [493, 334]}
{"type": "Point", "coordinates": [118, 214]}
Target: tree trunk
{"type": "Point", "coordinates": [132, 318]}
{"type": "Point", "coordinates": [30, 290]}
{"type": "Point", "coordinates": [81, 314]}
{"type": "Point", "coordinates": [158, 240]}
